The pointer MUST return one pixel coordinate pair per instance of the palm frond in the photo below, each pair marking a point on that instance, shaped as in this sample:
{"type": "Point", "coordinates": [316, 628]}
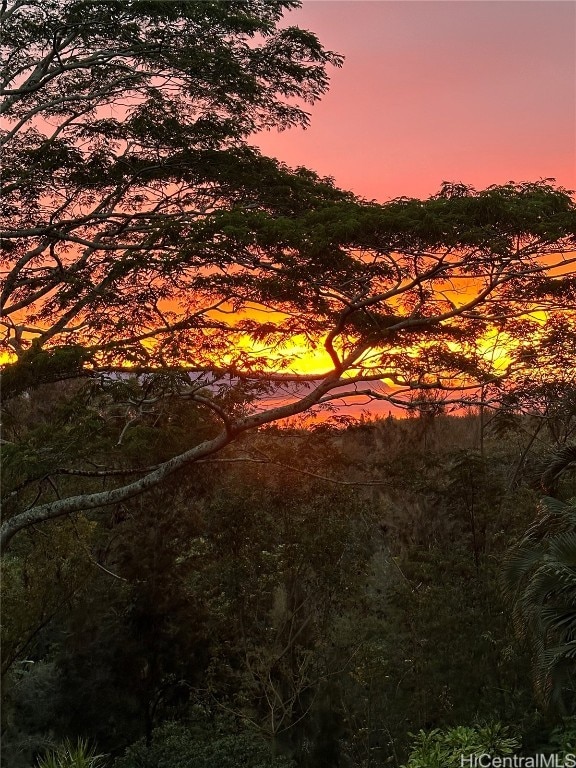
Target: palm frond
{"type": "Point", "coordinates": [561, 461]}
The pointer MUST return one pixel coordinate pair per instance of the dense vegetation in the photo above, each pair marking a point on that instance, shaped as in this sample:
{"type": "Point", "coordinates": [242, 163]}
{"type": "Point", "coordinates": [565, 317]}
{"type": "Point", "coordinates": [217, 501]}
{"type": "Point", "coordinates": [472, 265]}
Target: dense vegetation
{"type": "Point", "coordinates": [311, 598]}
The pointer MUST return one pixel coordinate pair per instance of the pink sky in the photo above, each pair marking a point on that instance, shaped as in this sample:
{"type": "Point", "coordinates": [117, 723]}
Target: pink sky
{"type": "Point", "coordinates": [433, 90]}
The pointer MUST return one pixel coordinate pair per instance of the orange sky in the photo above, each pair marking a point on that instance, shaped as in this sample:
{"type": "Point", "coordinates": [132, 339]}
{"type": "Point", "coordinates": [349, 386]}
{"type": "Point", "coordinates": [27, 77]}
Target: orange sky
{"type": "Point", "coordinates": [433, 90]}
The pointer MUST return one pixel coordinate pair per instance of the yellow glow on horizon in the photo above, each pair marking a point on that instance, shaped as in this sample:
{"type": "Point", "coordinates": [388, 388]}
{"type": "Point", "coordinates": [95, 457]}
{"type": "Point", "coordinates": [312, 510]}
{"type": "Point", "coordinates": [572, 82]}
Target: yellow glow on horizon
{"type": "Point", "coordinates": [298, 355]}
{"type": "Point", "coordinates": [6, 358]}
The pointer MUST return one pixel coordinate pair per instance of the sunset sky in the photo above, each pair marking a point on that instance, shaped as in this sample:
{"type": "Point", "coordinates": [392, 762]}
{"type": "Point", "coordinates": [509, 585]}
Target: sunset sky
{"type": "Point", "coordinates": [433, 90]}
{"type": "Point", "coordinates": [457, 90]}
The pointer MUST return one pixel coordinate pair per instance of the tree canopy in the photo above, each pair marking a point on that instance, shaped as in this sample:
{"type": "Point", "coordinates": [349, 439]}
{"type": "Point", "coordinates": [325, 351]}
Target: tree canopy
{"type": "Point", "coordinates": [144, 235]}
{"type": "Point", "coordinates": [126, 127]}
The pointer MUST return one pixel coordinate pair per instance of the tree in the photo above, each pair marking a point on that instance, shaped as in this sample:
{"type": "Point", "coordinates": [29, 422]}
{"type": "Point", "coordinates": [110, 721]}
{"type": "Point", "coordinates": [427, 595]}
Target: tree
{"type": "Point", "coordinates": [551, 401]}
{"type": "Point", "coordinates": [540, 578]}
{"type": "Point", "coordinates": [145, 235]}
{"type": "Point", "coordinates": [126, 127]}
{"type": "Point", "coordinates": [212, 591]}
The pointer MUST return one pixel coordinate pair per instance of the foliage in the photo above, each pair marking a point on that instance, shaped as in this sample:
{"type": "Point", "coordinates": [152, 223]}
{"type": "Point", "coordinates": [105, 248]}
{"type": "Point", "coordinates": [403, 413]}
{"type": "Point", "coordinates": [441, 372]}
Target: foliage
{"type": "Point", "coordinates": [329, 619]}
{"type": "Point", "coordinates": [69, 755]}
{"type": "Point", "coordinates": [126, 127]}
{"type": "Point", "coordinates": [442, 651]}
{"type": "Point", "coordinates": [193, 746]}
{"type": "Point", "coordinates": [39, 585]}
{"type": "Point", "coordinates": [540, 577]}
{"type": "Point", "coordinates": [446, 748]}
{"type": "Point", "coordinates": [563, 737]}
